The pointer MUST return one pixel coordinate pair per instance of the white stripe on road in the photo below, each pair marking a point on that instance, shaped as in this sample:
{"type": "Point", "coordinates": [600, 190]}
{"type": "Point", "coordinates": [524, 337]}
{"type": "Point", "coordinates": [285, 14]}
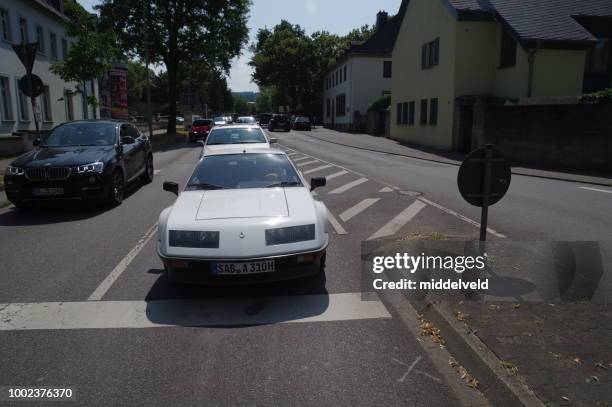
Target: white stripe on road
{"type": "Point", "coordinates": [463, 218]}
{"type": "Point", "coordinates": [399, 221]}
{"type": "Point", "coordinates": [348, 186]}
{"type": "Point", "coordinates": [155, 172]}
{"type": "Point", "coordinates": [357, 209]}
{"type": "Point", "coordinates": [293, 154]}
{"type": "Point", "coordinates": [197, 312]}
{"type": "Point", "coordinates": [386, 189]}
{"type": "Point", "coordinates": [321, 168]}
{"type": "Point", "coordinates": [308, 163]}
{"type": "Point", "coordinates": [597, 190]}
{"type": "Point", "coordinates": [123, 264]}
{"type": "Point", "coordinates": [336, 175]}
{"type": "Point", "coordinates": [335, 224]}
{"type": "Point", "coordinates": [301, 159]}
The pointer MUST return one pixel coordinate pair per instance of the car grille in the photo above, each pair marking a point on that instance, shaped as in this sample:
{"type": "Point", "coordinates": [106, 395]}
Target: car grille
{"type": "Point", "coordinates": [51, 174]}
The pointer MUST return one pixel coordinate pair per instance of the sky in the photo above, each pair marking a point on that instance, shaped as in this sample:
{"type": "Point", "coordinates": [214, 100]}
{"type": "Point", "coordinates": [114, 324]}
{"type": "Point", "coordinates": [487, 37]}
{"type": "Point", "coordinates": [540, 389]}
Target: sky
{"type": "Point", "coordinates": [335, 16]}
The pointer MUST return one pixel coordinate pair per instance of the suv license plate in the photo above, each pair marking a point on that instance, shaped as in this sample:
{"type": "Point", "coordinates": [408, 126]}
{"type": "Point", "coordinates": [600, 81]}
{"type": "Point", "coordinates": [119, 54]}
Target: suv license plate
{"type": "Point", "coordinates": [48, 191]}
{"type": "Point", "coordinates": [255, 267]}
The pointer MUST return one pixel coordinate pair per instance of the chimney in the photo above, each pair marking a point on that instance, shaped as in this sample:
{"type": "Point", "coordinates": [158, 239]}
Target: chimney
{"type": "Point", "coordinates": [382, 17]}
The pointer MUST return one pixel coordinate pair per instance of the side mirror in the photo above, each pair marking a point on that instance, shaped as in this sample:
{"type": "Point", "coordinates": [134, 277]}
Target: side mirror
{"type": "Point", "coordinates": [317, 182]}
{"type": "Point", "coordinates": [36, 142]}
{"type": "Point", "coordinates": [273, 140]}
{"type": "Point", "coordinates": [171, 187]}
{"type": "Point", "coordinates": [128, 140]}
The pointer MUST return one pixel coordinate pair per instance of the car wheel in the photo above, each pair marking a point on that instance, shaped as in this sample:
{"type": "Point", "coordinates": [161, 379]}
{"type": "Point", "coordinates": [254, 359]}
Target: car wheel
{"type": "Point", "coordinates": [149, 173]}
{"type": "Point", "coordinates": [192, 139]}
{"type": "Point", "coordinates": [117, 189]}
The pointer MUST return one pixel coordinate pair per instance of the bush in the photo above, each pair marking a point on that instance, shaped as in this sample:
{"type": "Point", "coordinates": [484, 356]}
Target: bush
{"type": "Point", "coordinates": [380, 104]}
{"type": "Point", "coordinates": [601, 96]}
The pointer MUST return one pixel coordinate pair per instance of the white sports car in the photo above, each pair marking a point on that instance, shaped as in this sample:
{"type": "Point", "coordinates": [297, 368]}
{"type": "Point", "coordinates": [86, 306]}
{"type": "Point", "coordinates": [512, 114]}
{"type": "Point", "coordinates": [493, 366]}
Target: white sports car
{"type": "Point", "coordinates": [243, 217]}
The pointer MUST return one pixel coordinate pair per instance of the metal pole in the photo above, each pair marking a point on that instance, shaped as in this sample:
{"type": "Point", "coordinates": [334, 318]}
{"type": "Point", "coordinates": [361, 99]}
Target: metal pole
{"type": "Point", "coordinates": [33, 102]}
{"type": "Point", "coordinates": [486, 192]}
{"type": "Point", "coordinates": [148, 79]}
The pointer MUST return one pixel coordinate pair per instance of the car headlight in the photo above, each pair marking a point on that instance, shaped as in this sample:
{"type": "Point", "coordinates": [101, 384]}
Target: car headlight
{"type": "Point", "coordinates": [290, 234]}
{"type": "Point", "coordinates": [14, 170]}
{"type": "Point", "coordinates": [93, 167]}
{"type": "Point", "coordinates": [194, 239]}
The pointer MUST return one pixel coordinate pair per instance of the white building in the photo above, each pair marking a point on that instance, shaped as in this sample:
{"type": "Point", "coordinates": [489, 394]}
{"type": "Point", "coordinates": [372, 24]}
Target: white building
{"type": "Point", "coordinates": [361, 75]}
{"type": "Point", "coordinates": [37, 21]}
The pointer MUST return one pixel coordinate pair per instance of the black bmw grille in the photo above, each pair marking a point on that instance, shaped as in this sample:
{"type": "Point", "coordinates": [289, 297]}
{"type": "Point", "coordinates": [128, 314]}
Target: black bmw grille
{"type": "Point", "coordinates": [51, 174]}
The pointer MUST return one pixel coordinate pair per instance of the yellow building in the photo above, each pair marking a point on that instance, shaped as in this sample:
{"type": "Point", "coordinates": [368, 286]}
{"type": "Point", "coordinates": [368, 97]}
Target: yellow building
{"type": "Point", "coordinates": [450, 53]}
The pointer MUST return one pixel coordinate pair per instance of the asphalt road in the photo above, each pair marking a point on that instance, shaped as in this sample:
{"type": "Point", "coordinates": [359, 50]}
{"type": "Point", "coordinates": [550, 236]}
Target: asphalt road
{"type": "Point", "coordinates": [84, 303]}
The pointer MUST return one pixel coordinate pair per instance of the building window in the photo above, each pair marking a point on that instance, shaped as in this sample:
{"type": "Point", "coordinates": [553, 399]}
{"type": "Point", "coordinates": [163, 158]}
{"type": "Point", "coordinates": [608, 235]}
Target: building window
{"type": "Point", "coordinates": [341, 105]}
{"type": "Point", "coordinates": [53, 44]}
{"type": "Point", "coordinates": [22, 104]}
{"type": "Point", "coordinates": [40, 38]}
{"type": "Point", "coordinates": [430, 54]}
{"type": "Point", "coordinates": [433, 111]}
{"type": "Point", "coordinates": [344, 72]}
{"type": "Point", "coordinates": [411, 113]}
{"type": "Point", "coordinates": [64, 48]}
{"type": "Point", "coordinates": [5, 98]}
{"type": "Point", "coordinates": [405, 113]}
{"type": "Point", "coordinates": [24, 36]}
{"type": "Point", "coordinates": [508, 50]}
{"type": "Point", "coordinates": [45, 104]}
{"type": "Point", "coordinates": [423, 112]}
{"type": "Point", "coordinates": [387, 67]}
{"type": "Point", "coordinates": [5, 25]}
{"type": "Point", "coordinates": [398, 114]}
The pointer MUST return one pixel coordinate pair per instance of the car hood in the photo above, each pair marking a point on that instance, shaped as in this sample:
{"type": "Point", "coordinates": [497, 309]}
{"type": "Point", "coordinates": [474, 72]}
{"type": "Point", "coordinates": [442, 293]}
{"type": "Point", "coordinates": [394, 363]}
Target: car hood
{"type": "Point", "coordinates": [63, 156]}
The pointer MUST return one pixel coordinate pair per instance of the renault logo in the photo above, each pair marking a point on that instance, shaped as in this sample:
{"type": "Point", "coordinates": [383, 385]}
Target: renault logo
{"type": "Point", "coordinates": [241, 235]}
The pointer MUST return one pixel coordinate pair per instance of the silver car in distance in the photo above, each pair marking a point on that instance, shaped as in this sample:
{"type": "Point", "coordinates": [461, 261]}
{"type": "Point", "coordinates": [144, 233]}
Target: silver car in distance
{"type": "Point", "coordinates": [244, 217]}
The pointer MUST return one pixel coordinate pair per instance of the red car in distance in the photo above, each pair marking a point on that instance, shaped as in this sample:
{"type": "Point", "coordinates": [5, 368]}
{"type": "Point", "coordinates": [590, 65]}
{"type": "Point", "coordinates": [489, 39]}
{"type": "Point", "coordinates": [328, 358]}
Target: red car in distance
{"type": "Point", "coordinates": [199, 129]}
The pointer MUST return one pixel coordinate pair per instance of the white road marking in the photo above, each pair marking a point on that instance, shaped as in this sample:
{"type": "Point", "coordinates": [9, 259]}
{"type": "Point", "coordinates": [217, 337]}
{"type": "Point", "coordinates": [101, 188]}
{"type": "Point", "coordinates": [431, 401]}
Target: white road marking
{"type": "Point", "coordinates": [301, 159]}
{"type": "Point", "coordinates": [357, 209]}
{"type": "Point", "coordinates": [335, 224]}
{"type": "Point", "coordinates": [395, 224]}
{"type": "Point", "coordinates": [293, 154]}
{"type": "Point", "coordinates": [308, 163]}
{"type": "Point", "coordinates": [464, 218]}
{"type": "Point", "coordinates": [597, 190]}
{"type": "Point", "coordinates": [155, 172]}
{"type": "Point", "coordinates": [386, 189]}
{"type": "Point", "coordinates": [321, 168]}
{"type": "Point", "coordinates": [336, 175]}
{"type": "Point", "coordinates": [196, 312]}
{"type": "Point", "coordinates": [348, 186]}
{"type": "Point", "coordinates": [122, 266]}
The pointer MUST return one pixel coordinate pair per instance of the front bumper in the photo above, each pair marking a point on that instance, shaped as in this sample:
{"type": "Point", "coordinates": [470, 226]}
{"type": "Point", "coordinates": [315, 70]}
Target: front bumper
{"type": "Point", "coordinates": [200, 271]}
{"type": "Point", "coordinates": [202, 135]}
{"type": "Point", "coordinates": [77, 186]}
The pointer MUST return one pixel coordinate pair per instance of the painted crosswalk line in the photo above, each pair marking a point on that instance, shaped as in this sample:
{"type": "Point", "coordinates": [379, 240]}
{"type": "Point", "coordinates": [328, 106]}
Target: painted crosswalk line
{"type": "Point", "coordinates": [336, 175]}
{"type": "Point", "coordinates": [349, 186]}
{"type": "Point", "coordinates": [304, 164]}
{"type": "Point", "coordinates": [395, 224]}
{"type": "Point", "coordinates": [357, 209]}
{"type": "Point", "coordinates": [321, 168]}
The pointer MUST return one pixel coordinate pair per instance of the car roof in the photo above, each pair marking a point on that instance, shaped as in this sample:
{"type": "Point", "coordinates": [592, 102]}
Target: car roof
{"type": "Point", "coordinates": [245, 150]}
{"type": "Point", "coordinates": [241, 126]}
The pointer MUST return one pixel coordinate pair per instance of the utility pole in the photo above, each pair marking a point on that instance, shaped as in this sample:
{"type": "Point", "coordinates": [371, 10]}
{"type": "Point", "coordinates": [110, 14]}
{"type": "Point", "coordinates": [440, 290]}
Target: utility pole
{"type": "Point", "coordinates": [148, 76]}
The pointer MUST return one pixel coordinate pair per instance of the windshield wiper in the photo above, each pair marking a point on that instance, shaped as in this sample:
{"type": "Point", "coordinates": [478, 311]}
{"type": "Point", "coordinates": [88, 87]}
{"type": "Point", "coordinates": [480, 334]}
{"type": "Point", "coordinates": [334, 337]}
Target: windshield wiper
{"type": "Point", "coordinates": [205, 186]}
{"type": "Point", "coordinates": [284, 184]}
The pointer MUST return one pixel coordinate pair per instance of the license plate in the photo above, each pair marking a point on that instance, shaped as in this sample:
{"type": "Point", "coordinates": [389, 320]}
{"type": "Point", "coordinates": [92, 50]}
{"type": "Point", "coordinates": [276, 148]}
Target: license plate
{"type": "Point", "coordinates": [48, 191]}
{"type": "Point", "coordinates": [255, 267]}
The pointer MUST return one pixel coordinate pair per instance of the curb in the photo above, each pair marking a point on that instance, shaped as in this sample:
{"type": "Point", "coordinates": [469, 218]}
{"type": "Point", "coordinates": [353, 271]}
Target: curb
{"type": "Point", "coordinates": [453, 163]}
{"type": "Point", "coordinates": [499, 387]}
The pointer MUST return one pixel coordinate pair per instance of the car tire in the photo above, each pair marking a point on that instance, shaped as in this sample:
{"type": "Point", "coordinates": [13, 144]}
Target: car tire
{"type": "Point", "coordinates": [116, 190]}
{"type": "Point", "coordinates": [149, 173]}
{"type": "Point", "coordinates": [192, 139]}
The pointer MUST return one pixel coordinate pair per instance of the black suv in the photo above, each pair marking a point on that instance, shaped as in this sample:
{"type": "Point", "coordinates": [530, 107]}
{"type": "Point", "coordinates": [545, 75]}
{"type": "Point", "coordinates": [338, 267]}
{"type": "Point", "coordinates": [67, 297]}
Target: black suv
{"type": "Point", "coordinates": [279, 121]}
{"type": "Point", "coordinates": [81, 160]}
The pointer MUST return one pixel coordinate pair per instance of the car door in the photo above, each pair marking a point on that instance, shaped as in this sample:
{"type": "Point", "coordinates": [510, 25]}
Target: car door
{"type": "Point", "coordinates": [129, 151]}
{"type": "Point", "coordinates": [140, 153]}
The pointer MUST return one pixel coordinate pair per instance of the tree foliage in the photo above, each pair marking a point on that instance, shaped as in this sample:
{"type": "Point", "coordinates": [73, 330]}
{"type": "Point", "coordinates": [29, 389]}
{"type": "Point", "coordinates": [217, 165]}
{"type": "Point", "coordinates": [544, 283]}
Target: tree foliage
{"type": "Point", "coordinates": [207, 33]}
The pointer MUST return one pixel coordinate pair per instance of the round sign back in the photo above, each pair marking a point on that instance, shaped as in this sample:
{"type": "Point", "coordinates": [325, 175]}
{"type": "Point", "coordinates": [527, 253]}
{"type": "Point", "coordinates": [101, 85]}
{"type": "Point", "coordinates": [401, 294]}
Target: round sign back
{"type": "Point", "coordinates": [471, 178]}
{"type": "Point", "coordinates": [37, 86]}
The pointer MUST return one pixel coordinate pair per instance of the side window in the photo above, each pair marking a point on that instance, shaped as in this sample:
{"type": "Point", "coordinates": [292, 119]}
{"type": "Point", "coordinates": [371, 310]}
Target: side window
{"type": "Point", "coordinates": [132, 132]}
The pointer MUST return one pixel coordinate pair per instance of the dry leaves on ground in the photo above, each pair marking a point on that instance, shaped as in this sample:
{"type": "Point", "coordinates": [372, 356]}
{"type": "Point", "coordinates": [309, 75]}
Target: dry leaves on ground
{"type": "Point", "coordinates": [469, 380]}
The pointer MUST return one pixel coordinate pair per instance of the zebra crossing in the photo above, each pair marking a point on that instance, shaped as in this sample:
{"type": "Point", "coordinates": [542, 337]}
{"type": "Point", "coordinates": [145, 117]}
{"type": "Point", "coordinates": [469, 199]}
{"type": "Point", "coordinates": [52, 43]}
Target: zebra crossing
{"type": "Point", "coordinates": [371, 209]}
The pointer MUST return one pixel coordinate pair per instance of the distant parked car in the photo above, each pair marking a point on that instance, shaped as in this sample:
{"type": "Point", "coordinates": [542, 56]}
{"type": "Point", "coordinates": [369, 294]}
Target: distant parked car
{"type": "Point", "coordinates": [81, 160]}
{"type": "Point", "coordinates": [246, 120]}
{"type": "Point", "coordinates": [180, 120]}
{"type": "Point", "coordinates": [219, 121]}
{"type": "Point", "coordinates": [279, 121]}
{"type": "Point", "coordinates": [302, 123]}
{"type": "Point", "coordinates": [199, 129]}
{"type": "Point", "coordinates": [264, 119]}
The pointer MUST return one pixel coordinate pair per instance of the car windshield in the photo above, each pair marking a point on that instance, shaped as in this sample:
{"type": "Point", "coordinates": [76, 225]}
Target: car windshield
{"type": "Point", "coordinates": [246, 120]}
{"type": "Point", "coordinates": [280, 118]}
{"type": "Point", "coordinates": [219, 119]}
{"type": "Point", "coordinates": [243, 171]}
{"type": "Point", "coordinates": [199, 123]}
{"type": "Point", "coordinates": [230, 135]}
{"type": "Point", "coordinates": [82, 134]}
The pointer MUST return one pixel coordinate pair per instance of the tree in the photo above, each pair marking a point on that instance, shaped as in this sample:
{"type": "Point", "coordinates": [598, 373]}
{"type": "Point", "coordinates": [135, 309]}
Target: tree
{"type": "Point", "coordinates": [241, 107]}
{"type": "Point", "coordinates": [91, 53]}
{"type": "Point", "coordinates": [137, 81]}
{"type": "Point", "coordinates": [208, 32]}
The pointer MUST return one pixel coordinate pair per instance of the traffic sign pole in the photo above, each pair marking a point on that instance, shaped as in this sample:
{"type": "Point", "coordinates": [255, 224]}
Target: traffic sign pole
{"type": "Point", "coordinates": [33, 101]}
{"type": "Point", "coordinates": [486, 192]}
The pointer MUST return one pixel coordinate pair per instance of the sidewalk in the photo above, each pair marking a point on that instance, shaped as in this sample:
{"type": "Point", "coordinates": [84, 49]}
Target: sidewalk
{"type": "Point", "coordinates": [388, 146]}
